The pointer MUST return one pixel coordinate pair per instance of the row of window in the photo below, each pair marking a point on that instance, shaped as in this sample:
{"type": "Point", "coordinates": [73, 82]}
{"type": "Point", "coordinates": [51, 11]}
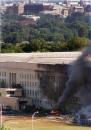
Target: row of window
{"type": "Point", "coordinates": [28, 76]}
{"type": "Point", "coordinates": [35, 76]}
{"type": "Point", "coordinates": [24, 83]}
{"type": "Point", "coordinates": [3, 74]}
{"type": "Point", "coordinates": [23, 75]}
{"type": "Point", "coordinates": [29, 84]}
{"type": "Point", "coordinates": [2, 82]}
{"type": "Point", "coordinates": [32, 93]}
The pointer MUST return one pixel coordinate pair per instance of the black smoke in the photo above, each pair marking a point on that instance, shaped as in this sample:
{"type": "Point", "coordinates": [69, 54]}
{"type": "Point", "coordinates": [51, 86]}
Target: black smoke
{"type": "Point", "coordinates": [79, 81]}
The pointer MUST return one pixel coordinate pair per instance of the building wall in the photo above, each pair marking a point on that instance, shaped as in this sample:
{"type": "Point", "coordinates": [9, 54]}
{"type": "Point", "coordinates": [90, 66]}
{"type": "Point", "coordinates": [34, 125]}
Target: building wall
{"type": "Point", "coordinates": [16, 9]}
{"type": "Point", "coordinates": [28, 8]}
{"type": "Point", "coordinates": [27, 78]}
{"type": "Point", "coordinates": [65, 12]}
{"type": "Point", "coordinates": [10, 101]}
{"type": "Point", "coordinates": [31, 82]}
{"type": "Point", "coordinates": [21, 8]}
{"type": "Point", "coordinates": [35, 76]}
{"type": "Point", "coordinates": [57, 10]}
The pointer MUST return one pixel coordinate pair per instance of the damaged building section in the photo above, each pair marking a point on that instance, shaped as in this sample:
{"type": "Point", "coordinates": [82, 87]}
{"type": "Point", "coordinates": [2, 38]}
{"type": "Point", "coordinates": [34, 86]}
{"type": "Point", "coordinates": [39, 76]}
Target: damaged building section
{"type": "Point", "coordinates": [79, 82]}
{"type": "Point", "coordinates": [53, 80]}
{"type": "Point", "coordinates": [79, 85]}
{"type": "Point", "coordinates": [41, 75]}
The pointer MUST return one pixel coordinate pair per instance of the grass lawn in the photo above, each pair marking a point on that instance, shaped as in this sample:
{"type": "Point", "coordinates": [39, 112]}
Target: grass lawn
{"type": "Point", "coordinates": [39, 124]}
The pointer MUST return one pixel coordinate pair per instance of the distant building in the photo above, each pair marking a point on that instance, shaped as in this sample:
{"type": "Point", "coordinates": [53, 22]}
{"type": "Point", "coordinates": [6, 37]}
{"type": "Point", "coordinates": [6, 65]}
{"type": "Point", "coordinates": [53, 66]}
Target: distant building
{"type": "Point", "coordinates": [65, 12]}
{"type": "Point", "coordinates": [57, 9]}
{"type": "Point", "coordinates": [31, 1]}
{"type": "Point", "coordinates": [37, 7]}
{"type": "Point", "coordinates": [29, 8]}
{"type": "Point", "coordinates": [54, 10]}
{"type": "Point", "coordinates": [79, 9]}
{"type": "Point", "coordinates": [82, 3]}
{"type": "Point", "coordinates": [48, 7]}
{"type": "Point", "coordinates": [2, 8]}
{"type": "Point", "coordinates": [70, 2]}
{"type": "Point", "coordinates": [21, 8]}
{"type": "Point", "coordinates": [17, 9]}
{"type": "Point", "coordinates": [88, 10]}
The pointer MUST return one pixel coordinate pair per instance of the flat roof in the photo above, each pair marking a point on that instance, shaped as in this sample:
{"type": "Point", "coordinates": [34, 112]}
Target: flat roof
{"type": "Point", "coordinates": [40, 58]}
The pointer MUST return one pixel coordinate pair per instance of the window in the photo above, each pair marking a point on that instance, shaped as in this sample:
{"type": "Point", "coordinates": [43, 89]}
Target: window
{"type": "Point", "coordinates": [35, 93]}
{"type": "Point", "coordinates": [27, 76]}
{"type": "Point", "coordinates": [30, 76]}
{"type": "Point", "coordinates": [3, 74]}
{"type": "Point", "coordinates": [30, 84]}
{"type": "Point", "coordinates": [30, 92]}
{"type": "Point", "coordinates": [20, 76]}
{"type": "Point", "coordinates": [27, 83]}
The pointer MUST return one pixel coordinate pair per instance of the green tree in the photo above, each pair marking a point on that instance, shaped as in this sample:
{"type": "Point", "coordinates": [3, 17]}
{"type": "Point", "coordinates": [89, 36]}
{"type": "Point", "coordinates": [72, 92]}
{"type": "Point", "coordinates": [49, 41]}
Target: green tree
{"type": "Point", "coordinates": [77, 43]}
{"type": "Point", "coordinates": [38, 45]}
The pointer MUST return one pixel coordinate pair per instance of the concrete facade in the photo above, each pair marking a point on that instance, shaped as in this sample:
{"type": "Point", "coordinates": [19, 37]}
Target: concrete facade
{"type": "Point", "coordinates": [13, 98]}
{"type": "Point", "coordinates": [30, 71]}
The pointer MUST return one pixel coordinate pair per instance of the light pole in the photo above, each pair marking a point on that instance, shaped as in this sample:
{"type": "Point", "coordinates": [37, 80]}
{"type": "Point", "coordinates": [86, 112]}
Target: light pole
{"type": "Point", "coordinates": [1, 119]}
{"type": "Point", "coordinates": [33, 119]}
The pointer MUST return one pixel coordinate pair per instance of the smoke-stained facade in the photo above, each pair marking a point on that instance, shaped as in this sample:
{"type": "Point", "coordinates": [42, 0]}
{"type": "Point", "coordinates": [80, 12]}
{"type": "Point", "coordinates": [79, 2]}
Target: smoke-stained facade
{"type": "Point", "coordinates": [52, 80]}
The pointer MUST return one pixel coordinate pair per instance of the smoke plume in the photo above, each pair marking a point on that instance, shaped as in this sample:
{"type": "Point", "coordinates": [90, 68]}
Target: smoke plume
{"type": "Point", "coordinates": [79, 82]}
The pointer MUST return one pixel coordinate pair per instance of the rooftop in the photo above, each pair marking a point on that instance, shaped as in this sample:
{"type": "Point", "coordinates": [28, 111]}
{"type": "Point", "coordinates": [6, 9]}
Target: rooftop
{"type": "Point", "coordinates": [40, 58]}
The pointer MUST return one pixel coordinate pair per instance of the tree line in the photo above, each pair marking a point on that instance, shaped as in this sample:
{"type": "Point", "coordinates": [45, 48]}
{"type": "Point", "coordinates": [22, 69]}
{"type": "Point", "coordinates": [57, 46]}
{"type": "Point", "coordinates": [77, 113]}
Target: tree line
{"type": "Point", "coordinates": [50, 33]}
